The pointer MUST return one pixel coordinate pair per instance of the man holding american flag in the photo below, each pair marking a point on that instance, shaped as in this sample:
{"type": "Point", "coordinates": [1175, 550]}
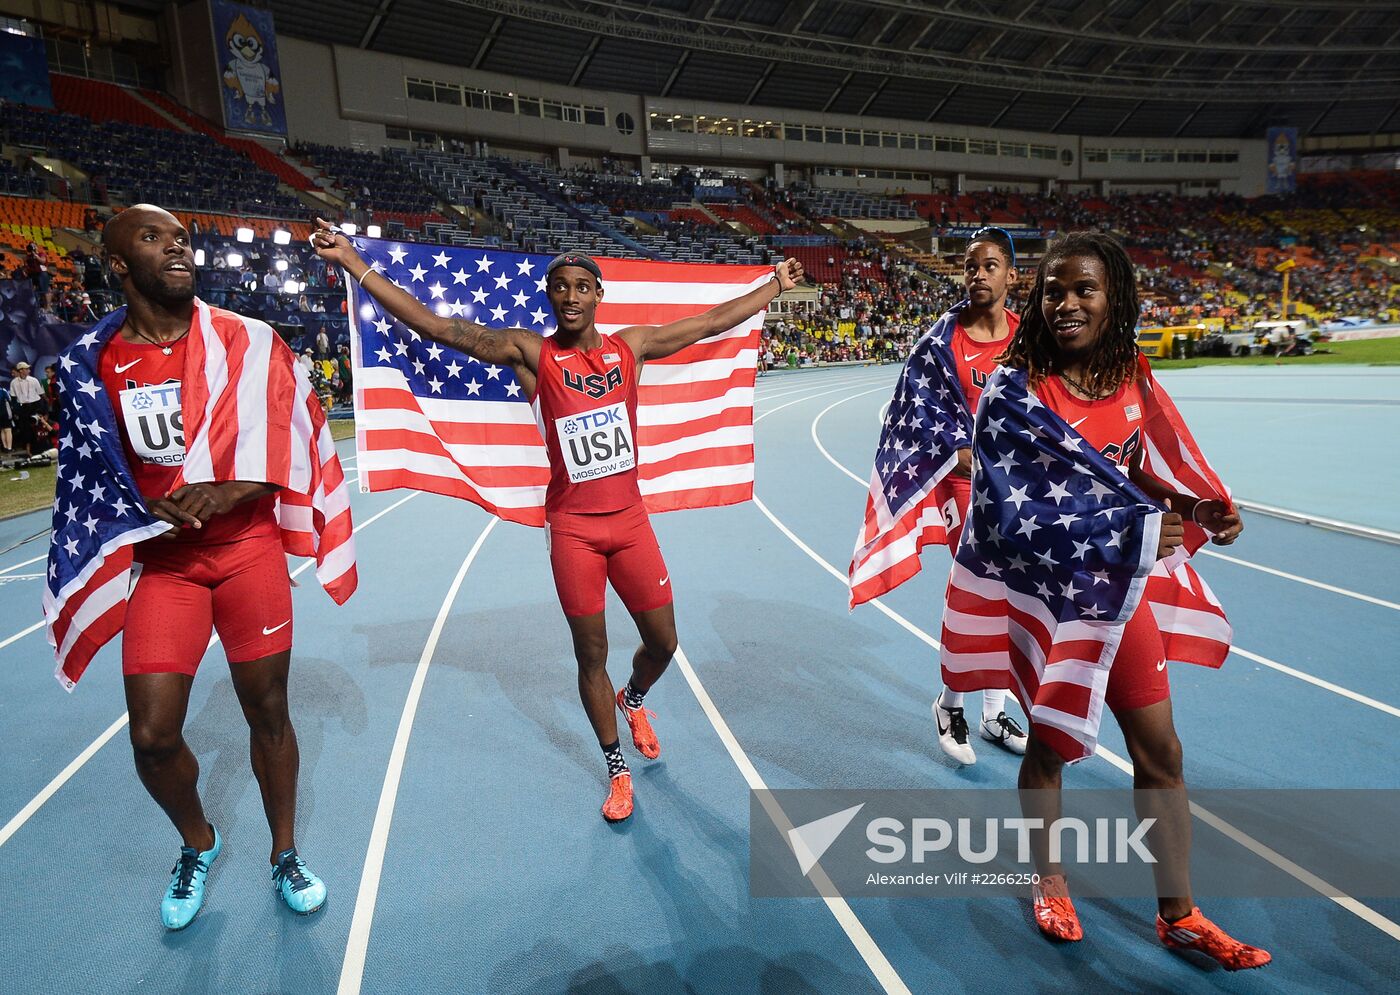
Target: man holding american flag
{"type": "Point", "coordinates": [584, 387]}
{"type": "Point", "coordinates": [195, 457]}
{"type": "Point", "coordinates": [1070, 585]}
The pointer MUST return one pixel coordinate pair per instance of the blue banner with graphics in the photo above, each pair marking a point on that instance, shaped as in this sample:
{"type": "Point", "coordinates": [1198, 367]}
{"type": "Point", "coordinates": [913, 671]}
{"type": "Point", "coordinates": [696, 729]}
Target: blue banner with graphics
{"type": "Point", "coordinates": [250, 78]}
{"type": "Point", "coordinates": [24, 70]}
{"type": "Point", "coordinates": [1283, 160]}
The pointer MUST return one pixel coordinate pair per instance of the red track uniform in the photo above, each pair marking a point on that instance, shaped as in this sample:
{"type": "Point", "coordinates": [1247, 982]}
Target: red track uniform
{"type": "Point", "coordinates": [595, 524]}
{"type": "Point", "coordinates": [1113, 426]}
{"type": "Point", "coordinates": [230, 575]}
{"type": "Point", "coordinates": [974, 362]}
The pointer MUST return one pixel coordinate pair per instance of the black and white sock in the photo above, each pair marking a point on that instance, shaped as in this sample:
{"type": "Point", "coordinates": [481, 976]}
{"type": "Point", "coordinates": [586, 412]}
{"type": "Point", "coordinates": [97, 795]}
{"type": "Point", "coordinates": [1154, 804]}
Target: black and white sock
{"type": "Point", "coordinates": [631, 697]}
{"type": "Point", "coordinates": [612, 753]}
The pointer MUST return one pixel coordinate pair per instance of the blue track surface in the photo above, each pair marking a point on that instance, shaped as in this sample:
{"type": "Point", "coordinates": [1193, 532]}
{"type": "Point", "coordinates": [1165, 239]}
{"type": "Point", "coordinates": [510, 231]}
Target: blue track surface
{"type": "Point", "coordinates": [497, 872]}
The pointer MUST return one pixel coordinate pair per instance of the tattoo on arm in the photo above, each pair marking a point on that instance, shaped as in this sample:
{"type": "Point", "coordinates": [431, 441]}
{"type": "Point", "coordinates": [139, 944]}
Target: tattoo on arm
{"type": "Point", "coordinates": [490, 345]}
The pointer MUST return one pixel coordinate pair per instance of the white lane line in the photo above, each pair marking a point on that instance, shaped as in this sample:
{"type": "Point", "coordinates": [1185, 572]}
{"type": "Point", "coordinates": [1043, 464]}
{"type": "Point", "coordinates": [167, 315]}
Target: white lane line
{"type": "Point", "coordinates": [849, 922]}
{"type": "Point", "coordinates": [73, 767]}
{"type": "Point", "coordinates": [1237, 651]}
{"type": "Point", "coordinates": [352, 969]}
{"type": "Point", "coordinates": [1302, 580]}
{"type": "Point", "coordinates": [1308, 518]}
{"type": "Point", "coordinates": [26, 563]}
{"type": "Point", "coordinates": [1307, 878]}
{"type": "Point", "coordinates": [774, 395]}
{"type": "Point", "coordinates": [22, 633]}
{"type": "Point", "coordinates": [43, 796]}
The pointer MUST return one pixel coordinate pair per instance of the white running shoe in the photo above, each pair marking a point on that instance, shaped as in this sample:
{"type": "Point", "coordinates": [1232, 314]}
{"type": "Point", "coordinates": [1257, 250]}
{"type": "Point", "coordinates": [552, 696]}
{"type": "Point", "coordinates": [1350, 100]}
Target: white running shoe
{"type": "Point", "coordinates": [952, 734]}
{"type": "Point", "coordinates": [1004, 731]}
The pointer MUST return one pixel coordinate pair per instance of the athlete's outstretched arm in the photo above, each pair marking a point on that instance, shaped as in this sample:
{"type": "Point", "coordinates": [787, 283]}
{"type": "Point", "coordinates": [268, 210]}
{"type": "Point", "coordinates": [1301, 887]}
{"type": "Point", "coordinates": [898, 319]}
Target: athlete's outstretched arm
{"type": "Point", "coordinates": [658, 341]}
{"type": "Point", "coordinates": [517, 348]}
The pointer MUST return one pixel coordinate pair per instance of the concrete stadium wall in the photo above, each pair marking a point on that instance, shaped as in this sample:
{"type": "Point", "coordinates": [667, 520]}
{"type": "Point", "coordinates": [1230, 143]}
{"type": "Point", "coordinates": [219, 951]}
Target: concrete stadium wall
{"type": "Point", "coordinates": [340, 94]}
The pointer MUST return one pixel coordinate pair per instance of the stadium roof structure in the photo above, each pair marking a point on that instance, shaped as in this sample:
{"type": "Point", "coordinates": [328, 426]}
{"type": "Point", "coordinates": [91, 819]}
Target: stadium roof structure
{"type": "Point", "coordinates": [1169, 68]}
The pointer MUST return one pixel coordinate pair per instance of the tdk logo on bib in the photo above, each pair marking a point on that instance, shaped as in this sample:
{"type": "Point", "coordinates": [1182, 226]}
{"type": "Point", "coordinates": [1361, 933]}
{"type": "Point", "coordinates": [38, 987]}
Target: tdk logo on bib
{"type": "Point", "coordinates": [154, 424]}
{"type": "Point", "coordinates": [596, 443]}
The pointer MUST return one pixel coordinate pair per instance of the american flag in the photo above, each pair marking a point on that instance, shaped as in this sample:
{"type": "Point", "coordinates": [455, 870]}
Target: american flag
{"type": "Point", "coordinates": [926, 424]}
{"type": "Point", "coordinates": [249, 413]}
{"type": "Point", "coordinates": [434, 419]}
{"type": "Point", "coordinates": [1059, 550]}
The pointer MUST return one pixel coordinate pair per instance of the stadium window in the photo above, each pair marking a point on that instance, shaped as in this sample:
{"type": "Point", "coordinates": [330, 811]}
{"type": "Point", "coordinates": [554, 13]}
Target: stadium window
{"type": "Point", "coordinates": [925, 143]}
{"type": "Point", "coordinates": [906, 141]}
{"type": "Point", "coordinates": [889, 140]}
{"type": "Point", "coordinates": [501, 103]}
{"type": "Point", "coordinates": [476, 99]}
{"type": "Point", "coordinates": [595, 115]}
{"type": "Point", "coordinates": [1044, 152]}
{"type": "Point", "coordinates": [1224, 157]}
{"type": "Point", "coordinates": [1016, 150]}
{"type": "Point", "coordinates": [1125, 155]}
{"type": "Point", "coordinates": [951, 144]}
{"type": "Point", "coordinates": [553, 110]}
{"type": "Point", "coordinates": [1191, 155]}
{"type": "Point", "coordinates": [870, 138]}
{"type": "Point", "coordinates": [853, 137]}
{"type": "Point", "coordinates": [977, 146]}
{"type": "Point", "coordinates": [659, 122]}
{"type": "Point", "coordinates": [573, 114]}
{"type": "Point", "coordinates": [446, 93]}
{"type": "Point", "coordinates": [1158, 155]}
{"type": "Point", "coordinates": [1096, 155]}
{"type": "Point", "coordinates": [419, 89]}
{"type": "Point", "coordinates": [529, 106]}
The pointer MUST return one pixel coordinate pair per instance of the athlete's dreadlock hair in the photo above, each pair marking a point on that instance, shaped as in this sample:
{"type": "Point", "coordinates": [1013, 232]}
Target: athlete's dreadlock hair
{"type": "Point", "coordinates": [1114, 359]}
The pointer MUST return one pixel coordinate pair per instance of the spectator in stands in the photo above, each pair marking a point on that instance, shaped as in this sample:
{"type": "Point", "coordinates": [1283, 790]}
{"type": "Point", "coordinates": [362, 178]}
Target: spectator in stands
{"type": "Point", "coordinates": [7, 421]}
{"type": "Point", "coordinates": [346, 373]}
{"type": "Point", "coordinates": [51, 396]}
{"type": "Point", "coordinates": [36, 268]}
{"type": "Point", "coordinates": [95, 283]}
{"type": "Point", "coordinates": [307, 363]}
{"type": "Point", "coordinates": [27, 398]}
{"type": "Point", "coordinates": [323, 344]}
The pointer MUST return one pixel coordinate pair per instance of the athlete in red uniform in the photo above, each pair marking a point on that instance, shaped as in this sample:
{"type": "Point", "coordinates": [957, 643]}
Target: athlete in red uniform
{"type": "Point", "coordinates": [222, 568]}
{"type": "Point", "coordinates": [1078, 343]}
{"type": "Point", "coordinates": [584, 387]}
{"type": "Point", "coordinates": [982, 333]}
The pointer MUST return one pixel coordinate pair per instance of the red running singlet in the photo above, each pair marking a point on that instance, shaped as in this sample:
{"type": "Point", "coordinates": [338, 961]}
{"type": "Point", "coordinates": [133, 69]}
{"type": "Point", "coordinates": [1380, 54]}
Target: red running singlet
{"type": "Point", "coordinates": [1112, 425]}
{"type": "Point", "coordinates": [586, 406]}
{"type": "Point", "coordinates": [976, 361]}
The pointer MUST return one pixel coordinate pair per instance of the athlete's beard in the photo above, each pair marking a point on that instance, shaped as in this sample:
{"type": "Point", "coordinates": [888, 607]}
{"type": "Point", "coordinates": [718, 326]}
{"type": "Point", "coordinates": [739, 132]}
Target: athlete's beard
{"type": "Point", "coordinates": [152, 285]}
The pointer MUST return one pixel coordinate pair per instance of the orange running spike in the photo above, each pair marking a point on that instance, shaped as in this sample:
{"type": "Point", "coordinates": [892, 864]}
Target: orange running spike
{"type": "Point", "coordinates": [1196, 932]}
{"type": "Point", "coordinates": [1054, 912]}
{"type": "Point", "coordinates": [643, 736]}
{"type": "Point", "coordinates": [619, 804]}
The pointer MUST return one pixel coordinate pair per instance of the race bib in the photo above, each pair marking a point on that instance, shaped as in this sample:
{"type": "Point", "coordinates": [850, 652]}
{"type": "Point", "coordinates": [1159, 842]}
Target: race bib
{"type": "Point", "coordinates": [951, 518]}
{"type": "Point", "coordinates": [154, 424]}
{"type": "Point", "coordinates": [596, 443]}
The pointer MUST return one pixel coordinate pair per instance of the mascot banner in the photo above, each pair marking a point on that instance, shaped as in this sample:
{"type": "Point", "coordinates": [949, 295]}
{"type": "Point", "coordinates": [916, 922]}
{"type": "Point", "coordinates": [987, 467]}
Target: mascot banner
{"type": "Point", "coordinates": [1283, 160]}
{"type": "Point", "coordinates": [250, 78]}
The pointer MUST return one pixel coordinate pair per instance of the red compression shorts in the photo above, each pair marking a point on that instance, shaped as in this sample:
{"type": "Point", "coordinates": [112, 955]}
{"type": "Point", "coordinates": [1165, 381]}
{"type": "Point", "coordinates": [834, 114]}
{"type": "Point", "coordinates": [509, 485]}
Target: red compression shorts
{"type": "Point", "coordinates": [619, 547]}
{"type": "Point", "coordinates": [181, 591]}
{"type": "Point", "coordinates": [1138, 677]}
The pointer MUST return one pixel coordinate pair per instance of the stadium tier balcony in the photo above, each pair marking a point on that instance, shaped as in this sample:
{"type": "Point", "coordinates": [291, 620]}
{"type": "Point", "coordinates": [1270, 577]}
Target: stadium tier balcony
{"type": "Point", "coordinates": [371, 180]}
{"type": "Point", "coordinates": [820, 202]}
{"type": "Point", "coordinates": [130, 163]}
